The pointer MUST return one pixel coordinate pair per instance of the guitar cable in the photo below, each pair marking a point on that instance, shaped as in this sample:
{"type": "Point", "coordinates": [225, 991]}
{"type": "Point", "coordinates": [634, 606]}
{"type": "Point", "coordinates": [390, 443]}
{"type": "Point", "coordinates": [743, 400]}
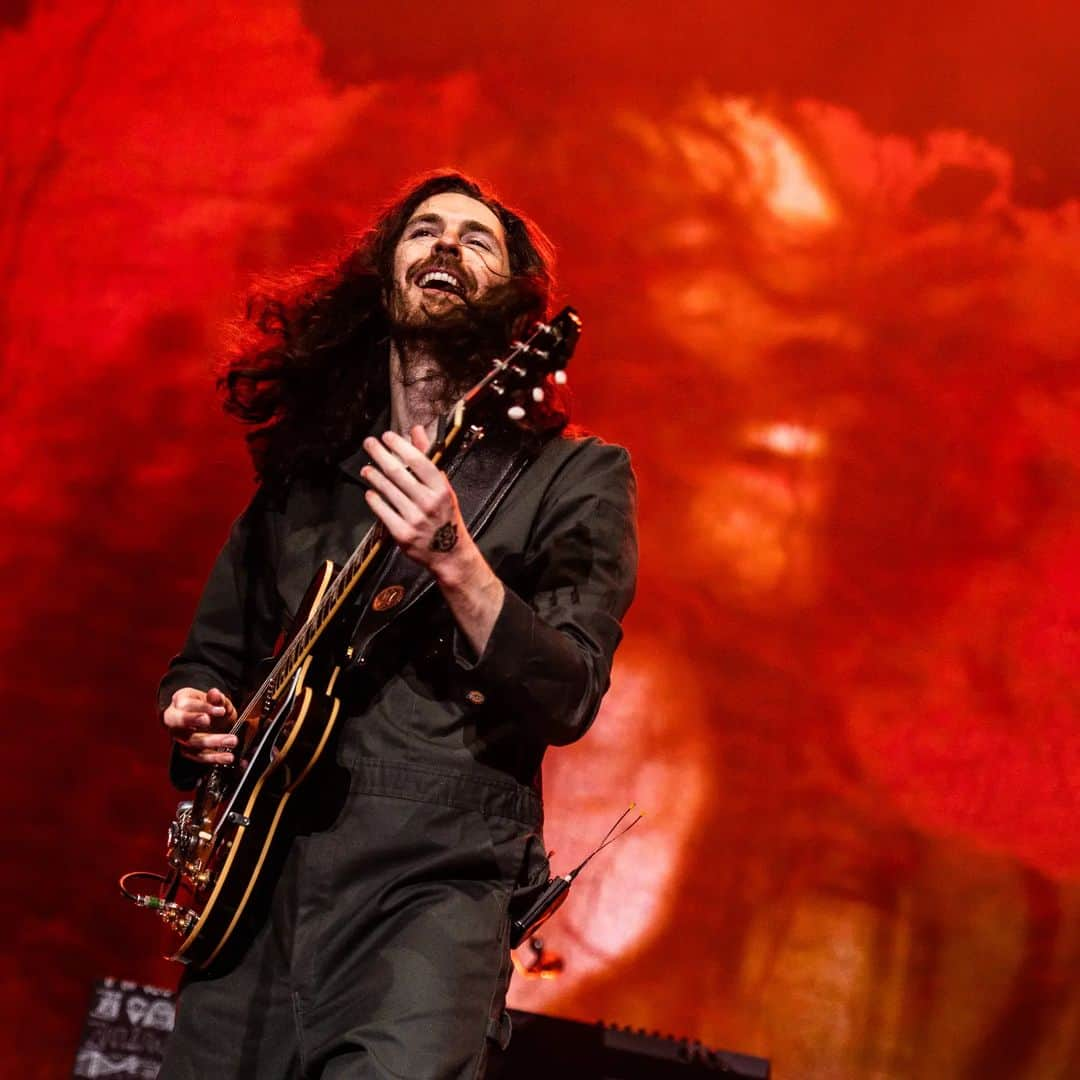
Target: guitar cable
{"type": "Point", "coordinates": [146, 900]}
{"type": "Point", "coordinates": [558, 888]}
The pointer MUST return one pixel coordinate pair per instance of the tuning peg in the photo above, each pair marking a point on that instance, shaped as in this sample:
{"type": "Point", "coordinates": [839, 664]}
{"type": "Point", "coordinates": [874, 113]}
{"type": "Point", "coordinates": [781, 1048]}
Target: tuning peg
{"type": "Point", "coordinates": [516, 412]}
{"type": "Point", "coordinates": [559, 377]}
{"type": "Point", "coordinates": [538, 394]}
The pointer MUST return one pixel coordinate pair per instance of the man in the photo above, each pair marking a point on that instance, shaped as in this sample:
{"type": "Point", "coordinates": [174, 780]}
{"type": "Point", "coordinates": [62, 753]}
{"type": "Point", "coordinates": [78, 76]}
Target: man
{"type": "Point", "coordinates": [382, 949]}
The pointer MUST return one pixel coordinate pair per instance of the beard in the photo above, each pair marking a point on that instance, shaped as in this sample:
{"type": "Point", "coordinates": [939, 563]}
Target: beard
{"type": "Point", "coordinates": [455, 346]}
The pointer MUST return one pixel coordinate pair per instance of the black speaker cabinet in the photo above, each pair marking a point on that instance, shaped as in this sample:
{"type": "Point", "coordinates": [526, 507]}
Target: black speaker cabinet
{"type": "Point", "coordinates": [547, 1047]}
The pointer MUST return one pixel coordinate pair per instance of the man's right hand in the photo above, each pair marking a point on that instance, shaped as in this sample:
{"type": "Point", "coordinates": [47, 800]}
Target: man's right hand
{"type": "Point", "coordinates": [198, 722]}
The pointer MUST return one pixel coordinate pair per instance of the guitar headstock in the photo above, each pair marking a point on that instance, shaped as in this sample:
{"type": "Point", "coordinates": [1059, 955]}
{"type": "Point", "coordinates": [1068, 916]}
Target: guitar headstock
{"type": "Point", "coordinates": [519, 384]}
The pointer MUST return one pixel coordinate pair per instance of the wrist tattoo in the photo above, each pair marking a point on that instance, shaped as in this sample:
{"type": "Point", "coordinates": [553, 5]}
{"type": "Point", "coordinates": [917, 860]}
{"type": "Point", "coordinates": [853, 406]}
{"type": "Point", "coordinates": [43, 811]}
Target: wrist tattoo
{"type": "Point", "coordinates": [445, 538]}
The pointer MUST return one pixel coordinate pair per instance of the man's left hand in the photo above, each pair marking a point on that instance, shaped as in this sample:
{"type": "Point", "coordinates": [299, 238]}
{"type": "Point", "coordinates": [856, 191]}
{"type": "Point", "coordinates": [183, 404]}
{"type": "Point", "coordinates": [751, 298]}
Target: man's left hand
{"type": "Point", "coordinates": [414, 500]}
{"type": "Point", "coordinates": [416, 503]}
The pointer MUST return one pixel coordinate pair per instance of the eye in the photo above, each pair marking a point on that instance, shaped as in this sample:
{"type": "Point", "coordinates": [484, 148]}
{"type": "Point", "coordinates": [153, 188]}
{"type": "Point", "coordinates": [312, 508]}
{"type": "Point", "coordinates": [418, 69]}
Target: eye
{"type": "Point", "coordinates": [421, 230]}
{"type": "Point", "coordinates": [481, 241]}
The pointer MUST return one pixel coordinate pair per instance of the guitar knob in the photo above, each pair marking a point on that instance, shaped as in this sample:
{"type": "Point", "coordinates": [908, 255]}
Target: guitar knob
{"type": "Point", "coordinates": [516, 412]}
{"type": "Point", "coordinates": [537, 394]}
{"type": "Point", "coordinates": [559, 377]}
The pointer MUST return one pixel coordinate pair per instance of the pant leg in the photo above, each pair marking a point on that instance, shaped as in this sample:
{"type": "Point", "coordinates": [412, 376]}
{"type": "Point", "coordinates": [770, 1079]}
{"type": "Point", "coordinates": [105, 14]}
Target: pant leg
{"type": "Point", "coordinates": [425, 1004]}
{"type": "Point", "coordinates": [236, 1024]}
{"type": "Point", "coordinates": [408, 961]}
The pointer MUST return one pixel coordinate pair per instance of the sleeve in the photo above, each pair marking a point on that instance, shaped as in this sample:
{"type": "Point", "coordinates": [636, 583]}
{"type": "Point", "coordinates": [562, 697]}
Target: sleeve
{"type": "Point", "coordinates": [548, 660]}
{"type": "Point", "coordinates": [235, 624]}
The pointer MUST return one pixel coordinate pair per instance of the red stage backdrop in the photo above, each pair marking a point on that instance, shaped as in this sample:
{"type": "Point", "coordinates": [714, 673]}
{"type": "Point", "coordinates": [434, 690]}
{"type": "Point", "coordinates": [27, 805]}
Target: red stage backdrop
{"type": "Point", "coordinates": [832, 310]}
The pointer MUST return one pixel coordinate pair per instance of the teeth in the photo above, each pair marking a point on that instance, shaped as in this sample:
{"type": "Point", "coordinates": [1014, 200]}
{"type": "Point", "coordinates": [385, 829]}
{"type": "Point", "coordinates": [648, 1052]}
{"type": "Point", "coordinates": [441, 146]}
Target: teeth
{"type": "Point", "coordinates": [441, 276]}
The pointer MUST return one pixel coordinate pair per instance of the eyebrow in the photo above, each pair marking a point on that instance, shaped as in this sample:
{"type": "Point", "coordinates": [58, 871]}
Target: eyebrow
{"type": "Point", "coordinates": [467, 226]}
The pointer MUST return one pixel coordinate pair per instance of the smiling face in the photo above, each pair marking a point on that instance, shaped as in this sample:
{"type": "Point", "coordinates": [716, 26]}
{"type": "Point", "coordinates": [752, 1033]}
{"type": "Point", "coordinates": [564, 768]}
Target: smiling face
{"type": "Point", "coordinates": [452, 250]}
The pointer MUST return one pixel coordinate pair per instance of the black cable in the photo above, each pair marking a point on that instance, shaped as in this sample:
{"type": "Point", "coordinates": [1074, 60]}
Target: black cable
{"type": "Point", "coordinates": [557, 888]}
{"type": "Point", "coordinates": [142, 899]}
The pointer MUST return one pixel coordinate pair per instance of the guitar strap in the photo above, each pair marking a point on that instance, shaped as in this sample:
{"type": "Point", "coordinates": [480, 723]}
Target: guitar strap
{"type": "Point", "coordinates": [482, 477]}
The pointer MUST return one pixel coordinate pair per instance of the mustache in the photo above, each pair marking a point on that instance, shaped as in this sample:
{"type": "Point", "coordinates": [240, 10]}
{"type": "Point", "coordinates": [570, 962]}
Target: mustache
{"type": "Point", "coordinates": [452, 266]}
{"type": "Point", "coordinates": [469, 336]}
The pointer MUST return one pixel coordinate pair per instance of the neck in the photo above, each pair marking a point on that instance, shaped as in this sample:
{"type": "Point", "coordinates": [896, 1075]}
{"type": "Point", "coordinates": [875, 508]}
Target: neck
{"type": "Point", "coordinates": [418, 388]}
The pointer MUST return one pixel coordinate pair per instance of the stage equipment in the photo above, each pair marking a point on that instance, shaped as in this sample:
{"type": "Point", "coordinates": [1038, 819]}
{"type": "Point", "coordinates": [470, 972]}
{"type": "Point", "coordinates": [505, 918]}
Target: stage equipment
{"type": "Point", "coordinates": [558, 888]}
{"type": "Point", "coordinates": [546, 1046]}
{"type": "Point", "coordinates": [126, 1031]}
{"type": "Point", "coordinates": [128, 1026]}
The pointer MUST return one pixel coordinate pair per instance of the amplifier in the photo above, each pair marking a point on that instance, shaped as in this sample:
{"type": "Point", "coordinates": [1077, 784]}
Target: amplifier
{"type": "Point", "coordinates": [545, 1046]}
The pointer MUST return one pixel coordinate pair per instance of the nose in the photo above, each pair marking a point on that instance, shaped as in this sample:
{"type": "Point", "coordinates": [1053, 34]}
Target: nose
{"type": "Point", "coordinates": [447, 244]}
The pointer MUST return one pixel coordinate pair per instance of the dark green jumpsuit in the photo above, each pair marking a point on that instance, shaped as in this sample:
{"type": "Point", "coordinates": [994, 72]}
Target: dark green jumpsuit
{"type": "Point", "coordinates": [381, 949]}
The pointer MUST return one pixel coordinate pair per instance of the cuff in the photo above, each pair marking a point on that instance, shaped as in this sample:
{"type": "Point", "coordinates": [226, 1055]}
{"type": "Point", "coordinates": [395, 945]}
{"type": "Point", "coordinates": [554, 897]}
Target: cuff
{"type": "Point", "coordinates": [508, 645]}
{"type": "Point", "coordinates": [530, 671]}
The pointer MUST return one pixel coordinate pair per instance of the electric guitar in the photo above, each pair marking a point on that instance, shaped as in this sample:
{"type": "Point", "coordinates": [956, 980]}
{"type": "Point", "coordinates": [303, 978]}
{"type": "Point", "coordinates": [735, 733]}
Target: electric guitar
{"type": "Point", "coordinates": [220, 840]}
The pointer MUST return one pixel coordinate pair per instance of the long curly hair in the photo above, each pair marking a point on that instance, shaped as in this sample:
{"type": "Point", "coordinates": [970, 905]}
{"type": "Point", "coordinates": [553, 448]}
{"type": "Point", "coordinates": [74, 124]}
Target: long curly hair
{"type": "Point", "coordinates": [309, 370]}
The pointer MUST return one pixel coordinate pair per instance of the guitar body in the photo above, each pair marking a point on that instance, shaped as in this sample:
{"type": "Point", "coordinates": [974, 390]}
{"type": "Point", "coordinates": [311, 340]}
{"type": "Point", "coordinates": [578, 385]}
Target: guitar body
{"type": "Point", "coordinates": [219, 842]}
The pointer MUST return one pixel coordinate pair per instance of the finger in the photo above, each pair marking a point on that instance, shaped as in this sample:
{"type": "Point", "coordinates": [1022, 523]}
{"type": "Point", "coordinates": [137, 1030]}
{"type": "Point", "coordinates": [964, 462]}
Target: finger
{"type": "Point", "coordinates": [393, 468]}
{"type": "Point", "coordinates": [422, 467]}
{"type": "Point", "coordinates": [194, 717]}
{"type": "Point", "coordinates": [397, 498]}
{"type": "Point", "coordinates": [206, 747]}
{"type": "Point", "coordinates": [420, 439]}
{"type": "Point", "coordinates": [180, 721]}
{"type": "Point", "coordinates": [188, 699]}
{"type": "Point", "coordinates": [198, 719]}
{"type": "Point", "coordinates": [216, 698]}
{"type": "Point", "coordinates": [195, 701]}
{"type": "Point", "coordinates": [207, 740]}
{"type": "Point", "coordinates": [204, 710]}
{"type": "Point", "coordinates": [219, 699]}
{"type": "Point", "coordinates": [205, 757]}
{"type": "Point", "coordinates": [395, 524]}
{"type": "Point", "coordinates": [434, 494]}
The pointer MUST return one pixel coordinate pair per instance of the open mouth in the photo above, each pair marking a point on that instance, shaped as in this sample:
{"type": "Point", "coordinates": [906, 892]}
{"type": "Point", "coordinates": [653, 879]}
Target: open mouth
{"type": "Point", "coordinates": [441, 281]}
